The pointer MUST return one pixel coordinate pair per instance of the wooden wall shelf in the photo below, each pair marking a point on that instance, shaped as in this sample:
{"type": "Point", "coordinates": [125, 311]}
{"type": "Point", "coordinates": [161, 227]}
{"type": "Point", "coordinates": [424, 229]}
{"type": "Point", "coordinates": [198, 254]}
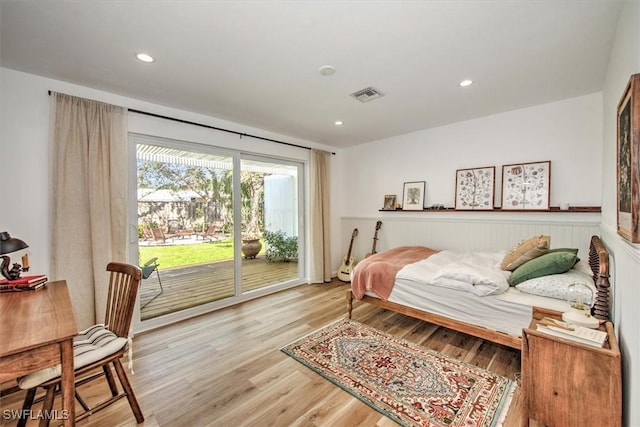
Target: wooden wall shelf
{"type": "Point", "coordinates": [554, 209]}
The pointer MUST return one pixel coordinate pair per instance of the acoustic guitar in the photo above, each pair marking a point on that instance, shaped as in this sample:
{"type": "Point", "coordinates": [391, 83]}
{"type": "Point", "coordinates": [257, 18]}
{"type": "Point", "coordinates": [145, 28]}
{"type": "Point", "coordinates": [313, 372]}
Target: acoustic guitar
{"type": "Point", "coordinates": [348, 262]}
{"type": "Point", "coordinates": [375, 240]}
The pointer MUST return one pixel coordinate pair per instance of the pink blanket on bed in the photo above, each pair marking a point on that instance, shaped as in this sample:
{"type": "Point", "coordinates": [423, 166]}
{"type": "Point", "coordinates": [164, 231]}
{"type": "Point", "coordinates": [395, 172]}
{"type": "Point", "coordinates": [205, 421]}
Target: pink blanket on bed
{"type": "Point", "coordinates": [377, 273]}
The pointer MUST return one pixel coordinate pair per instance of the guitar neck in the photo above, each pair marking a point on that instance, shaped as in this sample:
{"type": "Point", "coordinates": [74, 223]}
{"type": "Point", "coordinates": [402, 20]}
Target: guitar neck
{"type": "Point", "coordinates": [353, 236]}
{"type": "Point", "coordinates": [349, 252]}
{"type": "Point", "coordinates": [375, 237]}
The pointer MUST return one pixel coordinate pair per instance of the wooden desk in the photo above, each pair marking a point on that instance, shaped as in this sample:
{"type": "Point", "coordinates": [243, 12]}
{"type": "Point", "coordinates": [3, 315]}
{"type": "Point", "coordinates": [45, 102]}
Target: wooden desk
{"type": "Point", "coordinates": [36, 331]}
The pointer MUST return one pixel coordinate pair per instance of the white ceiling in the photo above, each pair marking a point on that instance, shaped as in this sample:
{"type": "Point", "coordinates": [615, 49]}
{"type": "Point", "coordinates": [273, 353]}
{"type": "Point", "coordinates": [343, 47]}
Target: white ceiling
{"type": "Point", "coordinates": [256, 62]}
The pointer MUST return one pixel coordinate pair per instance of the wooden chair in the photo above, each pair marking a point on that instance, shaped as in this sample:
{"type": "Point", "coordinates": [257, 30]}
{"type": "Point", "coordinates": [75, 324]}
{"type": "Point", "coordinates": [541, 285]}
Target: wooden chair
{"type": "Point", "coordinates": [148, 234]}
{"type": "Point", "coordinates": [158, 234]}
{"type": "Point", "coordinates": [215, 230]}
{"type": "Point", "coordinates": [95, 350]}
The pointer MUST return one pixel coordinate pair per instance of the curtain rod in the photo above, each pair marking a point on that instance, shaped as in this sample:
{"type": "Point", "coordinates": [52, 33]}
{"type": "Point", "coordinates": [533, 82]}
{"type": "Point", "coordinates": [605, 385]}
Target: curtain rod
{"type": "Point", "coordinates": [215, 128]}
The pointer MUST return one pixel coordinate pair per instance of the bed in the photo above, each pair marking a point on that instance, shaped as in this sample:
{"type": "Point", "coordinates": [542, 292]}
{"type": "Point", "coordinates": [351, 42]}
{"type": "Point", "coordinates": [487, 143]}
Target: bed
{"type": "Point", "coordinates": [385, 280]}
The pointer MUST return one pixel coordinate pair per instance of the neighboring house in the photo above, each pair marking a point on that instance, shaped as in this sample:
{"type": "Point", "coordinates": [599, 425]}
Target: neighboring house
{"type": "Point", "coordinates": [173, 210]}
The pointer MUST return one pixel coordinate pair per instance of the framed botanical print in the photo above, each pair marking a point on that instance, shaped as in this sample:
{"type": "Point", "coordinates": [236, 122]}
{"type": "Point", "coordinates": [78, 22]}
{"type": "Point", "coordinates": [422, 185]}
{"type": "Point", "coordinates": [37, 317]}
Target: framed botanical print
{"type": "Point", "coordinates": [413, 196]}
{"type": "Point", "coordinates": [628, 153]}
{"type": "Point", "coordinates": [525, 186]}
{"type": "Point", "coordinates": [475, 188]}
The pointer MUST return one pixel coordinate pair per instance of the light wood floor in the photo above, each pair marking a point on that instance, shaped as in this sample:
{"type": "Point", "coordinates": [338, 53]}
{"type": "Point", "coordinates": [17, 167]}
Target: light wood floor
{"type": "Point", "coordinates": [226, 368]}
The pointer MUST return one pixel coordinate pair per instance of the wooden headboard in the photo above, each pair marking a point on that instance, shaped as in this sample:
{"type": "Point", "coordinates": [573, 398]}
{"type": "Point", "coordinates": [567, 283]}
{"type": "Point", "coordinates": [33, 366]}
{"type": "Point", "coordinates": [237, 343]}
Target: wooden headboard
{"type": "Point", "coordinates": [599, 263]}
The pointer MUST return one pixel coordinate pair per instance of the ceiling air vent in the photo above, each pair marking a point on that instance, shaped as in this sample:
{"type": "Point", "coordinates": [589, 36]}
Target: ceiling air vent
{"type": "Point", "coordinates": [367, 94]}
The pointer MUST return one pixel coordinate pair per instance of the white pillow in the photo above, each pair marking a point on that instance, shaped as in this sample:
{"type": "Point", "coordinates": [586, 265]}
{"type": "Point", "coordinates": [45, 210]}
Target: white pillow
{"type": "Point", "coordinates": [584, 267]}
{"type": "Point", "coordinates": [556, 285]}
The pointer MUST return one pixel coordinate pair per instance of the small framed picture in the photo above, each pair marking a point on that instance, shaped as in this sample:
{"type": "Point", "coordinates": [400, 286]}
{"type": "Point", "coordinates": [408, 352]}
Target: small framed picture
{"type": "Point", "coordinates": [525, 186]}
{"type": "Point", "coordinates": [389, 202]}
{"type": "Point", "coordinates": [475, 188]}
{"type": "Point", "coordinates": [628, 154]}
{"type": "Point", "coordinates": [413, 196]}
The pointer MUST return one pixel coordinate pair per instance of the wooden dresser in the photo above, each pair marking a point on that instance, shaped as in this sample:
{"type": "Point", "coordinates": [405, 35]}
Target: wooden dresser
{"type": "Point", "coordinates": [565, 383]}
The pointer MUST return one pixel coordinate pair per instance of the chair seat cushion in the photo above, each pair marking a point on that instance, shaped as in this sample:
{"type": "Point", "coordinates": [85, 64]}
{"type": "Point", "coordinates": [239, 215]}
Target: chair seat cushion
{"type": "Point", "coordinates": [89, 346]}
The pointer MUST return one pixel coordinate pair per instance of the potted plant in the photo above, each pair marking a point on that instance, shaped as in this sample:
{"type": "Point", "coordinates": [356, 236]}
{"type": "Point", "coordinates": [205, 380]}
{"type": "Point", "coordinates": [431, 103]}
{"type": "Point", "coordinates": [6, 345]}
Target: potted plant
{"type": "Point", "coordinates": [281, 247]}
{"type": "Point", "coordinates": [251, 246]}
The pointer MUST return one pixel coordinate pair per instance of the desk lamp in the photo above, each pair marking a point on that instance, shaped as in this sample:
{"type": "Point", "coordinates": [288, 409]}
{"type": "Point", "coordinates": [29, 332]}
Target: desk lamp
{"type": "Point", "coordinates": [580, 298]}
{"type": "Point", "coordinates": [8, 245]}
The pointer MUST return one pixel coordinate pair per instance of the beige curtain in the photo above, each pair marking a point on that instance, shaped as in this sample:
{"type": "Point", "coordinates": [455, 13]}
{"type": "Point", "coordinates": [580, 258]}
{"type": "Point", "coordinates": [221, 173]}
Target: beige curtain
{"type": "Point", "coordinates": [88, 141]}
{"type": "Point", "coordinates": [320, 221]}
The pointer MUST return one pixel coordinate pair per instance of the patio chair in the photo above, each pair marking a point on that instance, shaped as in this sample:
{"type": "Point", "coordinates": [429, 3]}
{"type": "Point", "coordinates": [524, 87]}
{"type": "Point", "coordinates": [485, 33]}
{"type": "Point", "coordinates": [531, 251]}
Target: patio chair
{"type": "Point", "coordinates": [214, 231]}
{"type": "Point", "coordinates": [158, 235]}
{"type": "Point", "coordinates": [95, 351]}
{"type": "Point", "coordinates": [148, 234]}
{"type": "Point", "coordinates": [147, 270]}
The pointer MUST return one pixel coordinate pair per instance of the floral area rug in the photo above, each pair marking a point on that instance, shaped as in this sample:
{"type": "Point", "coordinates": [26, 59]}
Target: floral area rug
{"type": "Point", "coordinates": [410, 384]}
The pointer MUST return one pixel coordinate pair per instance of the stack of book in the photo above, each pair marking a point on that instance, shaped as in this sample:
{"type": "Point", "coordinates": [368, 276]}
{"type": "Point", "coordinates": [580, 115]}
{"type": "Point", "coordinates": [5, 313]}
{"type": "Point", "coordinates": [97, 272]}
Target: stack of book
{"type": "Point", "coordinates": [26, 283]}
{"type": "Point", "coordinates": [557, 328]}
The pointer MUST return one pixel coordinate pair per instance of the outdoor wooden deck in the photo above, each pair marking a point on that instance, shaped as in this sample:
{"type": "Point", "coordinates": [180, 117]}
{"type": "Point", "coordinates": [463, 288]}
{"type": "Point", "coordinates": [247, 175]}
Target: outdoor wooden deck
{"type": "Point", "coordinates": [192, 286]}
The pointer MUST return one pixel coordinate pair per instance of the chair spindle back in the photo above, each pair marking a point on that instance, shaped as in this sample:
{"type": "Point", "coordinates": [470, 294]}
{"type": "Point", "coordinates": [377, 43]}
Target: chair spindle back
{"type": "Point", "coordinates": [123, 289]}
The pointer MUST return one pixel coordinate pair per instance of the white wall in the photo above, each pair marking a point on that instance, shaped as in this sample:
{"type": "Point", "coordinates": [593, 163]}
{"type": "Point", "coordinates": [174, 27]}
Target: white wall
{"type": "Point", "coordinates": [280, 204]}
{"type": "Point", "coordinates": [624, 61]}
{"type": "Point", "coordinates": [24, 154]}
{"type": "Point", "coordinates": [24, 171]}
{"type": "Point", "coordinates": [568, 133]}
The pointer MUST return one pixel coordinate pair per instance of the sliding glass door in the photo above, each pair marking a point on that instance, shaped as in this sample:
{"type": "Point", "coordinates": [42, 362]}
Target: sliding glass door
{"type": "Point", "coordinates": [270, 228]}
{"type": "Point", "coordinates": [212, 225]}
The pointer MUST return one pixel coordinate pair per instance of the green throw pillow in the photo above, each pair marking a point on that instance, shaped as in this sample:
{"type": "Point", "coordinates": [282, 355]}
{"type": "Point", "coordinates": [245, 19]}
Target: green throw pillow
{"type": "Point", "coordinates": [549, 263]}
{"type": "Point", "coordinates": [572, 250]}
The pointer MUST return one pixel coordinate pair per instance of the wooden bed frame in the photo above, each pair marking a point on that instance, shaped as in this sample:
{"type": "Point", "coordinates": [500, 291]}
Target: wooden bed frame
{"type": "Point", "coordinates": [598, 261]}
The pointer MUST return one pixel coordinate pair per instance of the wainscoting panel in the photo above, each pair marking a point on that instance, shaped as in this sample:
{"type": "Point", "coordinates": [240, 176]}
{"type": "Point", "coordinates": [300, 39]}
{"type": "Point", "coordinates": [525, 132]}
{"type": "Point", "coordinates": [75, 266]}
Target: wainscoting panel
{"type": "Point", "coordinates": [455, 234]}
{"type": "Point", "coordinates": [625, 297]}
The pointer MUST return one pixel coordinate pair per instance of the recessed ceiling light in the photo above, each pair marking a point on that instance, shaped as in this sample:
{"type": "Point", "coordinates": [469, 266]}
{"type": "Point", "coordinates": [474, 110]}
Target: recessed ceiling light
{"type": "Point", "coordinates": [338, 123]}
{"type": "Point", "coordinates": [144, 57]}
{"type": "Point", "coordinates": [465, 83]}
{"type": "Point", "coordinates": [327, 70]}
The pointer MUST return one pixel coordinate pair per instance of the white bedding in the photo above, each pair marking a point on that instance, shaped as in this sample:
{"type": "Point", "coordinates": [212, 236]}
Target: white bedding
{"type": "Point", "coordinates": [507, 312]}
{"type": "Point", "coordinates": [475, 272]}
{"type": "Point", "coordinates": [472, 288]}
